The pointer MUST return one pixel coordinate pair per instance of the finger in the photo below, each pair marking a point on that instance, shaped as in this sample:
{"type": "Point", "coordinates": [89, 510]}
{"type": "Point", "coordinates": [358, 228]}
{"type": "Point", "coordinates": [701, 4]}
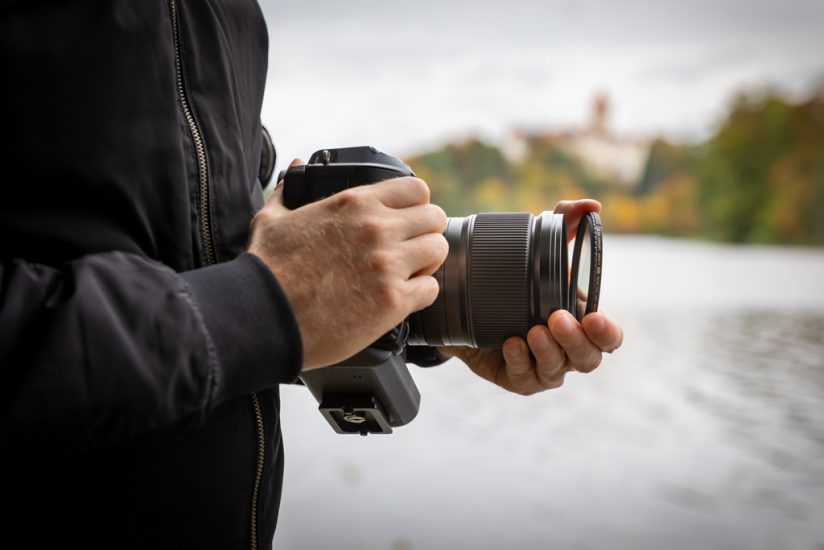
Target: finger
{"type": "Point", "coordinates": [295, 162]}
{"type": "Point", "coordinates": [581, 298]}
{"type": "Point", "coordinates": [583, 355]}
{"type": "Point", "coordinates": [400, 192]}
{"type": "Point", "coordinates": [422, 255]}
{"type": "Point", "coordinates": [519, 364]}
{"type": "Point", "coordinates": [603, 332]}
{"type": "Point", "coordinates": [420, 219]}
{"type": "Point", "coordinates": [573, 211]}
{"type": "Point", "coordinates": [578, 207]}
{"type": "Point", "coordinates": [549, 356]}
{"type": "Point", "coordinates": [275, 200]}
{"type": "Point", "coordinates": [421, 292]}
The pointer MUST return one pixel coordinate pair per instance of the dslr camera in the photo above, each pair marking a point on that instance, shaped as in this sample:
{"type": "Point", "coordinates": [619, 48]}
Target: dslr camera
{"type": "Point", "coordinates": [504, 273]}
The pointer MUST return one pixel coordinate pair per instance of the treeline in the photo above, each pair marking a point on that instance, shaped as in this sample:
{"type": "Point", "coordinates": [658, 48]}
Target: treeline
{"type": "Point", "coordinates": [759, 178]}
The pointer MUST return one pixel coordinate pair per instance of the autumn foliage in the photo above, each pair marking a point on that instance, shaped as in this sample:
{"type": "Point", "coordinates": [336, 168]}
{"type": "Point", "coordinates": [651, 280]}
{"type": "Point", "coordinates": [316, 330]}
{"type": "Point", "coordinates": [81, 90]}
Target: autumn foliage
{"type": "Point", "coordinates": [759, 178]}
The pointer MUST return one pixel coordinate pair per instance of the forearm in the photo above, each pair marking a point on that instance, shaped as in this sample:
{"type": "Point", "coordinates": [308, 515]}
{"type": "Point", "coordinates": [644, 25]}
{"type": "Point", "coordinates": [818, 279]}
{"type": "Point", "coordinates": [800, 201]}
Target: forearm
{"type": "Point", "coordinates": [113, 345]}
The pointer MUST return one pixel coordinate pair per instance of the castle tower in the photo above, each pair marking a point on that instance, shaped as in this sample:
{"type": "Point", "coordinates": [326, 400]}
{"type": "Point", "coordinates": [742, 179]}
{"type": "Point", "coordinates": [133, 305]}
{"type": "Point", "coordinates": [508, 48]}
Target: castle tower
{"type": "Point", "coordinates": [600, 115]}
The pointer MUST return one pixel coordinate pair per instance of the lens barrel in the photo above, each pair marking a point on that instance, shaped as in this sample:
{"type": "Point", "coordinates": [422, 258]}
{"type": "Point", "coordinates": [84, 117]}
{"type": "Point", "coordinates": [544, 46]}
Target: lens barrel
{"type": "Point", "coordinates": [504, 273]}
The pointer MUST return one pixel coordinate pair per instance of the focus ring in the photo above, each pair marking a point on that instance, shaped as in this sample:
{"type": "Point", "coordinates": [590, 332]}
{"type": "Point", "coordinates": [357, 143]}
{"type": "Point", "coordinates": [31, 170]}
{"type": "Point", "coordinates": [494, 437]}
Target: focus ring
{"type": "Point", "coordinates": [499, 277]}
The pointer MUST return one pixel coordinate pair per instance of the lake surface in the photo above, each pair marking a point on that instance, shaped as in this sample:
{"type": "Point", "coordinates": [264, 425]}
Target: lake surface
{"type": "Point", "coordinates": [704, 431]}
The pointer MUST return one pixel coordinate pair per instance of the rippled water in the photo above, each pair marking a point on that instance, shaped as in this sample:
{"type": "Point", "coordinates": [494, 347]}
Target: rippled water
{"type": "Point", "coordinates": [706, 430]}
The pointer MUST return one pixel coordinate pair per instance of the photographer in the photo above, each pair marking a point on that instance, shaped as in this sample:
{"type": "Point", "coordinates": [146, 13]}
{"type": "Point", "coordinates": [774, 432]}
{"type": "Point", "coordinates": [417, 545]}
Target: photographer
{"type": "Point", "coordinates": [144, 327]}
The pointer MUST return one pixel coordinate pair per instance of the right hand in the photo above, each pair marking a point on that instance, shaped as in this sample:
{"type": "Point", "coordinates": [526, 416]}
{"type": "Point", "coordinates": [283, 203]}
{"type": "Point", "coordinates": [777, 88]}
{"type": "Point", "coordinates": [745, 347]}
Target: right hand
{"type": "Point", "coordinates": [353, 265]}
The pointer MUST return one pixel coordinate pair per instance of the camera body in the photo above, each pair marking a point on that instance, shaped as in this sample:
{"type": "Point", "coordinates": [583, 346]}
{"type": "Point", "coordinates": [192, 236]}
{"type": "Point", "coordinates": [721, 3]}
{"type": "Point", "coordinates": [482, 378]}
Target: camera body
{"type": "Point", "coordinates": [371, 392]}
{"type": "Point", "coordinates": [331, 171]}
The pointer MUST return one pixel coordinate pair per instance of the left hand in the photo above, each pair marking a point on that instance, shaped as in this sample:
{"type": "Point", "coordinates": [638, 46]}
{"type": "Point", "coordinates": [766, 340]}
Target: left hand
{"type": "Point", "coordinates": [550, 351]}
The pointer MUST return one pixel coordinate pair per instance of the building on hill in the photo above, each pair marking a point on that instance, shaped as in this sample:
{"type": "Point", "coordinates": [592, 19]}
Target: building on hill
{"type": "Point", "coordinates": [609, 156]}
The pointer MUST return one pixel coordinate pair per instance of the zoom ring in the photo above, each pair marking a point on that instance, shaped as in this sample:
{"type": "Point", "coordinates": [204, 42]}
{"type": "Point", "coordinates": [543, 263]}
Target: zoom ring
{"type": "Point", "coordinates": [499, 278]}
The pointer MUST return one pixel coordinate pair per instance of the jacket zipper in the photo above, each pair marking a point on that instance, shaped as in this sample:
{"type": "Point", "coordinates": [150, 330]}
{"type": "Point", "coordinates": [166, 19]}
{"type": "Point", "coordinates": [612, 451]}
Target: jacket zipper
{"type": "Point", "coordinates": [211, 255]}
{"type": "Point", "coordinates": [200, 147]}
{"type": "Point", "coordinates": [261, 455]}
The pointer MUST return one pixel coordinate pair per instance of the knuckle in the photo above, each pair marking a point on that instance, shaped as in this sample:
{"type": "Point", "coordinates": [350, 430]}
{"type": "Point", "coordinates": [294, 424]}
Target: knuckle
{"type": "Point", "coordinates": [550, 357]}
{"type": "Point", "coordinates": [372, 229]}
{"type": "Point", "coordinates": [443, 219]}
{"type": "Point", "coordinates": [580, 346]}
{"type": "Point", "coordinates": [553, 380]}
{"type": "Point", "coordinates": [349, 198]}
{"type": "Point", "coordinates": [391, 297]}
{"type": "Point", "coordinates": [432, 290]}
{"type": "Point", "coordinates": [550, 362]}
{"type": "Point", "coordinates": [591, 363]}
{"type": "Point", "coordinates": [441, 247]}
{"type": "Point", "coordinates": [380, 263]}
{"type": "Point", "coordinates": [421, 187]}
{"type": "Point", "coordinates": [423, 295]}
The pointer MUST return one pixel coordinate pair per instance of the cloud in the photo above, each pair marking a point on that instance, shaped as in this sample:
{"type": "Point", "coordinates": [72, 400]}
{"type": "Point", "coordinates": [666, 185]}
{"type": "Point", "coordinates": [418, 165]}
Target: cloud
{"type": "Point", "coordinates": [409, 73]}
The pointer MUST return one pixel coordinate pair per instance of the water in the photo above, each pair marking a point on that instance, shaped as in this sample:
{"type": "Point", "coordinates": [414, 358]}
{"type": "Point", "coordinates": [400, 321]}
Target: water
{"type": "Point", "coordinates": [706, 430]}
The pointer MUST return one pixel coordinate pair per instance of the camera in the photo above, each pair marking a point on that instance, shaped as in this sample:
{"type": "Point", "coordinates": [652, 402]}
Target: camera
{"type": "Point", "coordinates": [504, 273]}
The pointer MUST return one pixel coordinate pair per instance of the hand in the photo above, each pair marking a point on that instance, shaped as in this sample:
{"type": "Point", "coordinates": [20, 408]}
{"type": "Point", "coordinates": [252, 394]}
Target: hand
{"type": "Point", "coordinates": [353, 265]}
{"type": "Point", "coordinates": [550, 351]}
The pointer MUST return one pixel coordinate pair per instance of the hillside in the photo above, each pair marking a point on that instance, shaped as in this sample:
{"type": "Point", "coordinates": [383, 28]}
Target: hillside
{"type": "Point", "coordinates": [759, 178]}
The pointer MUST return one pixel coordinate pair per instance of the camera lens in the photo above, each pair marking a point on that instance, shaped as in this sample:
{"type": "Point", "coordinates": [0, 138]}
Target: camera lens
{"type": "Point", "coordinates": [504, 273]}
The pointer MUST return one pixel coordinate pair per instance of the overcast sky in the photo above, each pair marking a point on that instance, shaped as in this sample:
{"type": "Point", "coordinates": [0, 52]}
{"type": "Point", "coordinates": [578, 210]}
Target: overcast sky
{"type": "Point", "coordinates": [408, 76]}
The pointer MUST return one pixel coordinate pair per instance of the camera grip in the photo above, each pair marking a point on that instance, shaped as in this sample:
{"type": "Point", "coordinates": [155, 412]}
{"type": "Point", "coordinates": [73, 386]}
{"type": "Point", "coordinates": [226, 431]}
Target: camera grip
{"type": "Point", "coordinates": [373, 391]}
{"type": "Point", "coordinates": [331, 171]}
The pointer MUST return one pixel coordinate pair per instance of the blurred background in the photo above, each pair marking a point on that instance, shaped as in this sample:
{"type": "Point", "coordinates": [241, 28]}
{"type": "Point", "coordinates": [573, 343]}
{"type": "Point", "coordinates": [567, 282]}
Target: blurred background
{"type": "Point", "coordinates": [700, 127]}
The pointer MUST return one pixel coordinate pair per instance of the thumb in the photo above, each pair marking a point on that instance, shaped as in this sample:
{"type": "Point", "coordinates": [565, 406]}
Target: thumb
{"type": "Point", "coordinates": [275, 200]}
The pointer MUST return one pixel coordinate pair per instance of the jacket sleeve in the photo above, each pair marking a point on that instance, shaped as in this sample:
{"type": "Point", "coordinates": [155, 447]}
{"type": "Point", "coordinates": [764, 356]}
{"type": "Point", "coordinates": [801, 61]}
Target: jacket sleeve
{"type": "Point", "coordinates": [114, 344]}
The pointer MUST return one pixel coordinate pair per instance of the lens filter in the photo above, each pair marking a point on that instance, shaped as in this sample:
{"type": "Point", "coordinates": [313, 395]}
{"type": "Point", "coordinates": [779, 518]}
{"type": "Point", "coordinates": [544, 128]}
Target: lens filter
{"type": "Point", "coordinates": [585, 275]}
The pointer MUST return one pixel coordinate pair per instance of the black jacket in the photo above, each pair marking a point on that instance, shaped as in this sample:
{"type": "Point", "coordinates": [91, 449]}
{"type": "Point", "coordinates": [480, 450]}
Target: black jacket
{"type": "Point", "coordinates": [140, 349]}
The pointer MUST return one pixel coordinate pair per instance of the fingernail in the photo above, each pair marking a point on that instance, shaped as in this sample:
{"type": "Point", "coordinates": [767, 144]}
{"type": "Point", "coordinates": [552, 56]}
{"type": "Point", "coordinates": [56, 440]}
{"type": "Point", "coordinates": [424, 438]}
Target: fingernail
{"type": "Point", "coordinates": [564, 324]}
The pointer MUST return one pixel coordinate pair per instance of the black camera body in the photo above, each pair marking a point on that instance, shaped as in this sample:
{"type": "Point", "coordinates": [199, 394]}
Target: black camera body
{"type": "Point", "coordinates": [371, 392]}
{"type": "Point", "coordinates": [331, 171]}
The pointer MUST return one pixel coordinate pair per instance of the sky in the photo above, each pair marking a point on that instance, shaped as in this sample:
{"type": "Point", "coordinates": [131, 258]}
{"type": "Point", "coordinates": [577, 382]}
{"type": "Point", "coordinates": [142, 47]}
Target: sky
{"type": "Point", "coordinates": [407, 77]}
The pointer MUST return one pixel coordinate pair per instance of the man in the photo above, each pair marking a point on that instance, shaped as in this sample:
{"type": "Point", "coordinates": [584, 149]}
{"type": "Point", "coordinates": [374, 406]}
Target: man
{"type": "Point", "coordinates": [144, 327]}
